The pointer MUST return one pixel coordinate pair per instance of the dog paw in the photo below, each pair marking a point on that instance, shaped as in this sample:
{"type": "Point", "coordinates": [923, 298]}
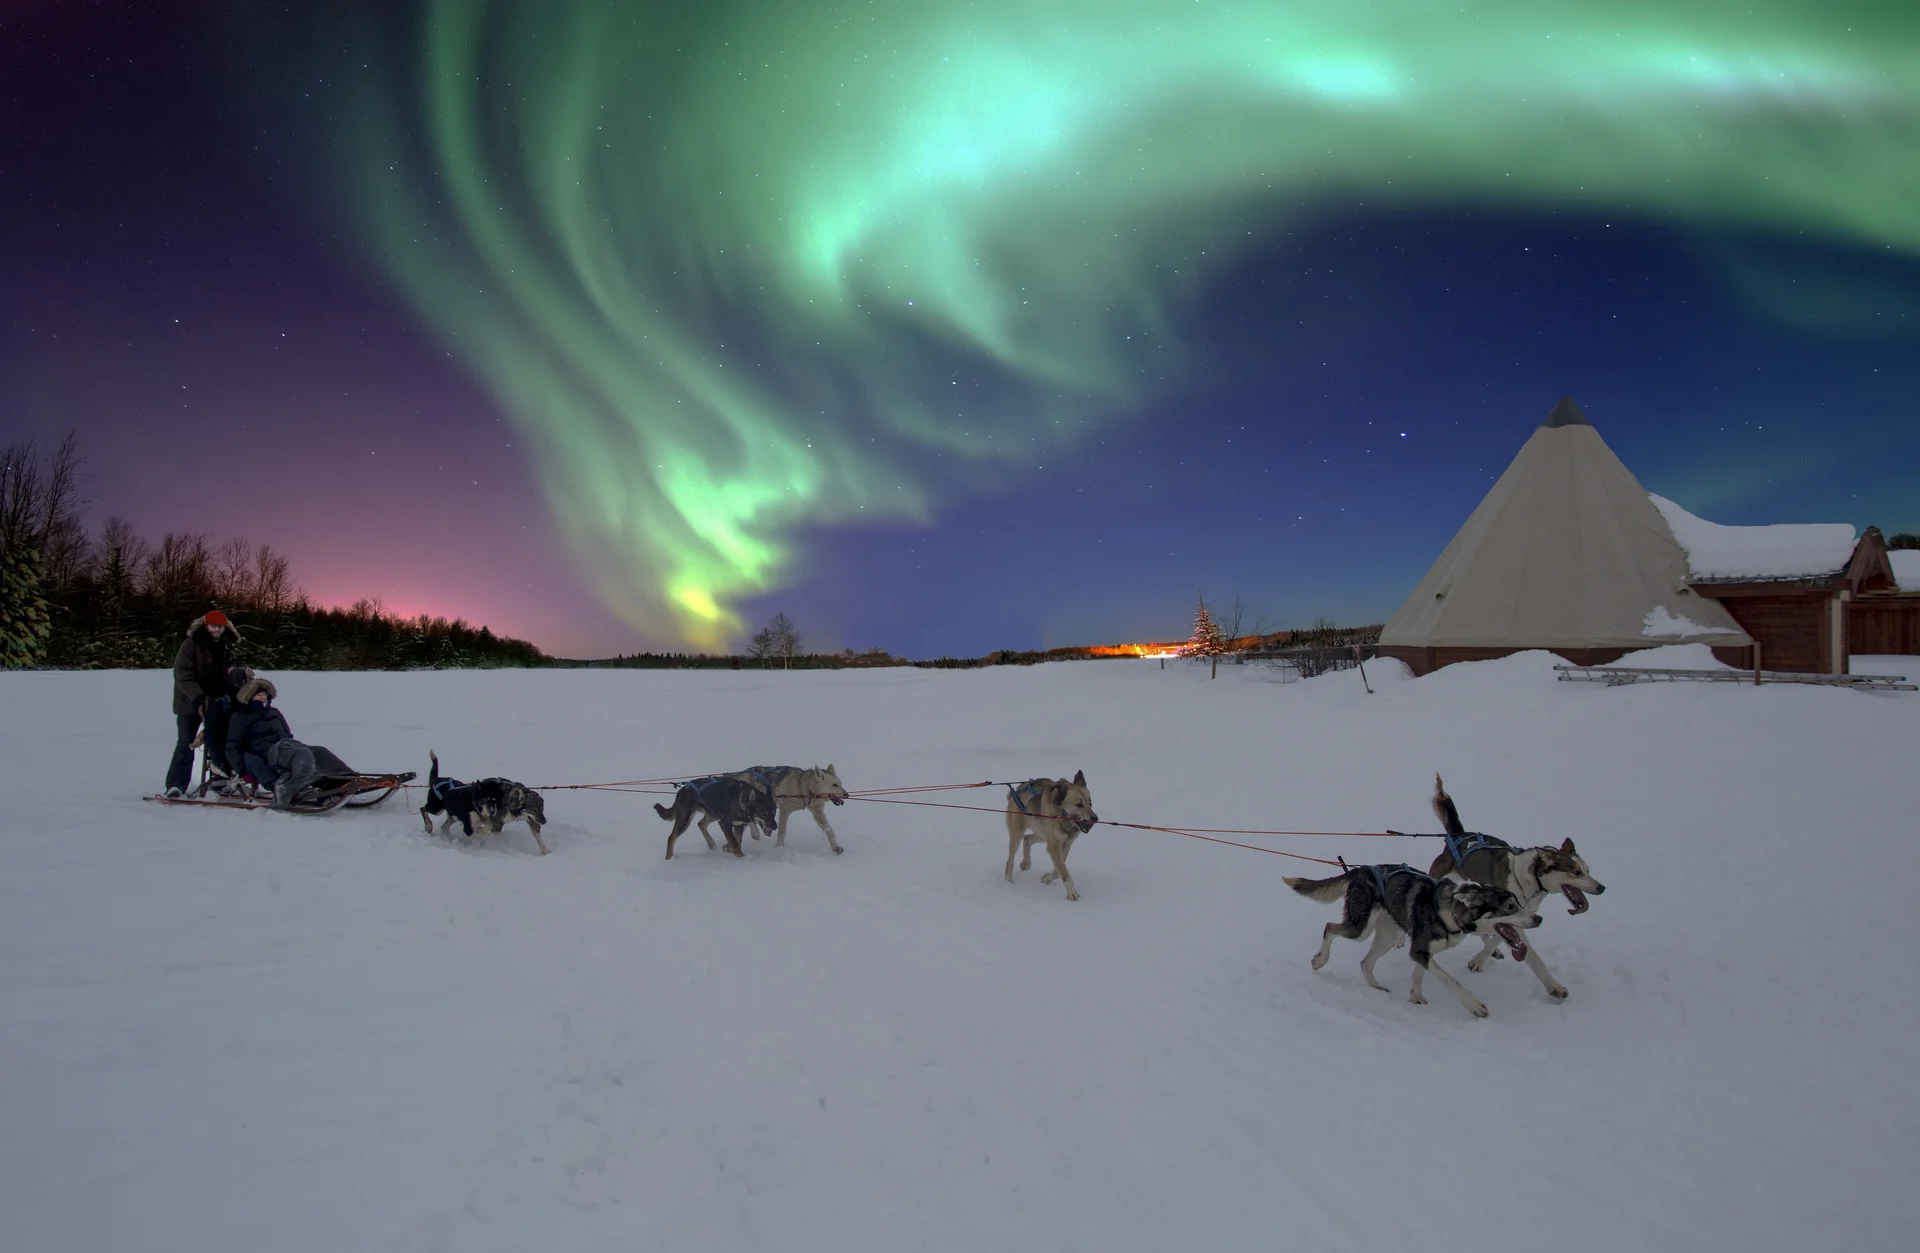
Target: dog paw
{"type": "Point", "coordinates": [1319, 960]}
{"type": "Point", "coordinates": [838, 851]}
{"type": "Point", "coordinates": [1415, 997]}
{"type": "Point", "coordinates": [1009, 874]}
{"type": "Point", "coordinates": [1072, 895]}
{"type": "Point", "coordinates": [1048, 877]}
{"type": "Point", "coordinates": [1557, 992]}
{"type": "Point", "coordinates": [1499, 956]}
{"type": "Point", "coordinates": [1477, 1010]}
{"type": "Point", "coordinates": [1478, 965]}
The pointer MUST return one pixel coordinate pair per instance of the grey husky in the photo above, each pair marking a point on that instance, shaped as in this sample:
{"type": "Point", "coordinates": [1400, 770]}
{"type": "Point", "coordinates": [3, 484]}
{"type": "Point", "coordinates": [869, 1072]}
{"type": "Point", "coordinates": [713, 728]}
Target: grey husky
{"type": "Point", "coordinates": [733, 803]}
{"type": "Point", "coordinates": [793, 788]}
{"type": "Point", "coordinates": [1531, 874]}
{"type": "Point", "coordinates": [1398, 902]}
{"type": "Point", "coordinates": [1056, 811]}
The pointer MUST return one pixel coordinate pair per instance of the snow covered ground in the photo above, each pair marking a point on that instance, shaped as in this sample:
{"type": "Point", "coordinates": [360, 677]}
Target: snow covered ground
{"type": "Point", "coordinates": [252, 1031]}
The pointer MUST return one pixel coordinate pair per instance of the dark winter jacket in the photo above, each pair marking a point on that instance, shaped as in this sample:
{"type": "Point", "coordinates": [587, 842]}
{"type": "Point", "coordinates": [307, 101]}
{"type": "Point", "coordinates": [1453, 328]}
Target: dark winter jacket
{"type": "Point", "coordinates": [254, 728]}
{"type": "Point", "coordinates": [200, 667]}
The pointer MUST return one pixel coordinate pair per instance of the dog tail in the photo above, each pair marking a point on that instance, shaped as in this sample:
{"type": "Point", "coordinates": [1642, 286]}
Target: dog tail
{"type": "Point", "coordinates": [433, 774]}
{"type": "Point", "coordinates": [1320, 889]}
{"type": "Point", "coordinates": [1443, 809]}
{"type": "Point", "coordinates": [682, 801]}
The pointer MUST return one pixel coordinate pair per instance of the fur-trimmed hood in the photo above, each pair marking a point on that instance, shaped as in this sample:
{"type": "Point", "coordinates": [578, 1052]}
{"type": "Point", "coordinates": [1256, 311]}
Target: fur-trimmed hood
{"type": "Point", "coordinates": [252, 687]}
{"type": "Point", "coordinates": [198, 632]}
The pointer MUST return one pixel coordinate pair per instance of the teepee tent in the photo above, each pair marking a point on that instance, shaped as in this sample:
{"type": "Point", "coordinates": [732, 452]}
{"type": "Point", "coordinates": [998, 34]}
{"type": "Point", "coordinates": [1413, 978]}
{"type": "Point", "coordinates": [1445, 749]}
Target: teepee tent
{"type": "Point", "coordinates": [1565, 553]}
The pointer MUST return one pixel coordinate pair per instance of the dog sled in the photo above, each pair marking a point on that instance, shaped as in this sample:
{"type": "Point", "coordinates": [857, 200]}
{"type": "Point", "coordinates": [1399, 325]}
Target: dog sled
{"type": "Point", "coordinates": [325, 794]}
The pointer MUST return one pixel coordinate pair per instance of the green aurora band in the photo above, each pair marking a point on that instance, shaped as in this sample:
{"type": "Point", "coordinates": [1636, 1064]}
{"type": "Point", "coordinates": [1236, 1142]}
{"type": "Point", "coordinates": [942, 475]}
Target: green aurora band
{"type": "Point", "coordinates": [725, 263]}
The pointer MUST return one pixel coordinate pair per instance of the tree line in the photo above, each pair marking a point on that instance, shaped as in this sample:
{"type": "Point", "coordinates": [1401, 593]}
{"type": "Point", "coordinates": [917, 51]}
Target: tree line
{"type": "Point", "coordinates": [113, 600]}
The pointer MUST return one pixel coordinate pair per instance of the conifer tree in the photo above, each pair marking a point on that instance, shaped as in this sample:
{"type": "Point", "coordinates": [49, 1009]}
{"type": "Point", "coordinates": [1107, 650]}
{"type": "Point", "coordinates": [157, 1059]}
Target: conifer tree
{"type": "Point", "coordinates": [25, 624]}
{"type": "Point", "coordinates": [1208, 640]}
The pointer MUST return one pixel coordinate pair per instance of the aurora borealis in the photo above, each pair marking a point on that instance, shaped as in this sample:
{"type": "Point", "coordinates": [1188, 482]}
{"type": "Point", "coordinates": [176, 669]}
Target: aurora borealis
{"type": "Point", "coordinates": [769, 288]}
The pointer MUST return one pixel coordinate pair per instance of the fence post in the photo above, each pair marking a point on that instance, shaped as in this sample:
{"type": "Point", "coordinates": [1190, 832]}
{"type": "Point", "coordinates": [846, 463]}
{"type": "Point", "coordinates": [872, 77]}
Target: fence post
{"type": "Point", "coordinates": [1756, 663]}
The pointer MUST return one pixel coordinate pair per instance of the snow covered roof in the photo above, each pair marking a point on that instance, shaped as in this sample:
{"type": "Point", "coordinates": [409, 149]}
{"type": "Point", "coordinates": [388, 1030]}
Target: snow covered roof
{"type": "Point", "coordinates": [1780, 551]}
{"type": "Point", "coordinates": [1906, 568]}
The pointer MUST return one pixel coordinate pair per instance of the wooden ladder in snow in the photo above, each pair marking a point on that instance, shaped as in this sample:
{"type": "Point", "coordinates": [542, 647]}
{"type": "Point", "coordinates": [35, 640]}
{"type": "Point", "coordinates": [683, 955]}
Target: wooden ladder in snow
{"type": "Point", "coordinates": [1618, 676]}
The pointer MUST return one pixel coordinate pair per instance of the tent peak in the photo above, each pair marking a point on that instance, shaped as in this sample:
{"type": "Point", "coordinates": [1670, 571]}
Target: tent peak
{"type": "Point", "coordinates": [1566, 413]}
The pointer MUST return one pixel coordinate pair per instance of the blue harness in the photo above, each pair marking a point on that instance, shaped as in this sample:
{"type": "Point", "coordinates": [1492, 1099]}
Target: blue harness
{"type": "Point", "coordinates": [1458, 846]}
{"type": "Point", "coordinates": [1016, 790]}
{"type": "Point", "coordinates": [1383, 873]}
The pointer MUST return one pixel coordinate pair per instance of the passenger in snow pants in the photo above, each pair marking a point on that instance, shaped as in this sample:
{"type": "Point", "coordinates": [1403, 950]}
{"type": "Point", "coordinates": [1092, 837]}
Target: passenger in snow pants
{"type": "Point", "coordinates": [199, 677]}
{"type": "Point", "coordinates": [297, 765]}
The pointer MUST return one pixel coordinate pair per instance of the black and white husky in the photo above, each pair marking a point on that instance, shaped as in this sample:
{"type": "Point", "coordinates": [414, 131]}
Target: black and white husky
{"type": "Point", "coordinates": [494, 801]}
{"type": "Point", "coordinates": [1531, 874]}
{"type": "Point", "coordinates": [1431, 915]}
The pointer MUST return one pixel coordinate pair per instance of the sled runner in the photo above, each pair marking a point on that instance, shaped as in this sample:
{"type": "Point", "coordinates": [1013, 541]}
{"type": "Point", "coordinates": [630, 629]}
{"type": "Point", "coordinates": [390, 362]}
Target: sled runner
{"type": "Point", "coordinates": [324, 795]}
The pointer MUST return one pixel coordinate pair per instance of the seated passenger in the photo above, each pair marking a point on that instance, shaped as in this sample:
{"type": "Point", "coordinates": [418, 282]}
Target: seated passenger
{"type": "Point", "coordinates": [261, 743]}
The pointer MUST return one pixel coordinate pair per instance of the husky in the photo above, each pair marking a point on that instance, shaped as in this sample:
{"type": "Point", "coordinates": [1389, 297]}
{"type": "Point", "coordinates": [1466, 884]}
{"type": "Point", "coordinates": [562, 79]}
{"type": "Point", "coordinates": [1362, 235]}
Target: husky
{"type": "Point", "coordinates": [1054, 810]}
{"type": "Point", "coordinates": [1399, 903]}
{"type": "Point", "coordinates": [1531, 874]}
{"type": "Point", "coordinates": [495, 801]}
{"type": "Point", "coordinates": [731, 802]}
{"type": "Point", "coordinates": [793, 788]}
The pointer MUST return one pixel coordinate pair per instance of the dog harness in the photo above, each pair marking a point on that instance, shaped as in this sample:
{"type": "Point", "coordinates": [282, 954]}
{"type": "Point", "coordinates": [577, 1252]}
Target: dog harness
{"type": "Point", "coordinates": [1017, 790]}
{"type": "Point", "coordinates": [1458, 846]}
{"type": "Point", "coordinates": [1383, 873]}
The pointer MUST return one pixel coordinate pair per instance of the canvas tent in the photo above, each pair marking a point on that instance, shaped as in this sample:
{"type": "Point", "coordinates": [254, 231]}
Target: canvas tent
{"type": "Point", "coordinates": [1567, 553]}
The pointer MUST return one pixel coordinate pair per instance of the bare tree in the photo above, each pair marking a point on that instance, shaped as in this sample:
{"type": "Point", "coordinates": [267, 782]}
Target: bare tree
{"type": "Point", "coordinates": [119, 556]}
{"type": "Point", "coordinates": [231, 571]}
{"type": "Point", "coordinates": [63, 545]}
{"type": "Point", "coordinates": [20, 496]}
{"type": "Point", "coordinates": [177, 570]}
{"type": "Point", "coordinates": [779, 639]}
{"type": "Point", "coordinates": [40, 508]}
{"type": "Point", "coordinates": [273, 587]}
{"type": "Point", "coordinates": [1234, 622]}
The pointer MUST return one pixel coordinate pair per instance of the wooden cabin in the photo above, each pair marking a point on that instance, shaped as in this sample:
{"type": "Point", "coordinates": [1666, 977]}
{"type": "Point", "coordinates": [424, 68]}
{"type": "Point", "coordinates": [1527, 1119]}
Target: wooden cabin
{"type": "Point", "coordinates": [1810, 623]}
{"type": "Point", "coordinates": [1883, 620]}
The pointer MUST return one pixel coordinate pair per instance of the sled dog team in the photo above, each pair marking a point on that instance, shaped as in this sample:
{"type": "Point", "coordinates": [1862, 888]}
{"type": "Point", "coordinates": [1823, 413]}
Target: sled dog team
{"type": "Point", "coordinates": [1491, 892]}
{"type": "Point", "coordinates": [1478, 886]}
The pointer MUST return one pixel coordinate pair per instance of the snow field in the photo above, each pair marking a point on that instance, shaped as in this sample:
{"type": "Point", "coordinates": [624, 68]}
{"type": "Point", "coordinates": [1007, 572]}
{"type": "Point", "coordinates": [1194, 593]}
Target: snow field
{"type": "Point", "coordinates": [257, 1031]}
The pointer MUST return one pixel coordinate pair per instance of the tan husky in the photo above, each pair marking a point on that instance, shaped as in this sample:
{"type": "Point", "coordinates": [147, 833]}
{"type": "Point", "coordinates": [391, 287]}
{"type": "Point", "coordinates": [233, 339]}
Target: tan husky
{"type": "Point", "coordinates": [1053, 810]}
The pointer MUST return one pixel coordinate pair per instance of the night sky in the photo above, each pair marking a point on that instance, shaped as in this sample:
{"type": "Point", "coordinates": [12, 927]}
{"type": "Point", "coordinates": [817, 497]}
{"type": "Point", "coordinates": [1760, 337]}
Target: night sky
{"type": "Point", "coordinates": [945, 327]}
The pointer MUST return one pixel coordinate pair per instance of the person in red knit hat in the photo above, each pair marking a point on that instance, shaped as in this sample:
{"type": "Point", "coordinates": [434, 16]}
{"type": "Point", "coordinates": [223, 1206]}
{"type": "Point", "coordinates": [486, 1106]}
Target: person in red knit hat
{"type": "Point", "coordinates": [199, 677]}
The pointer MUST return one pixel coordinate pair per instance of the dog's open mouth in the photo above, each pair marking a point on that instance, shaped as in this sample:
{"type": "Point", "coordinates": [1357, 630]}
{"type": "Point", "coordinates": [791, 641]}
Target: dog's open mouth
{"type": "Point", "coordinates": [838, 800]}
{"type": "Point", "coordinates": [1575, 897]}
{"type": "Point", "coordinates": [1511, 934]}
{"type": "Point", "coordinates": [1086, 824]}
